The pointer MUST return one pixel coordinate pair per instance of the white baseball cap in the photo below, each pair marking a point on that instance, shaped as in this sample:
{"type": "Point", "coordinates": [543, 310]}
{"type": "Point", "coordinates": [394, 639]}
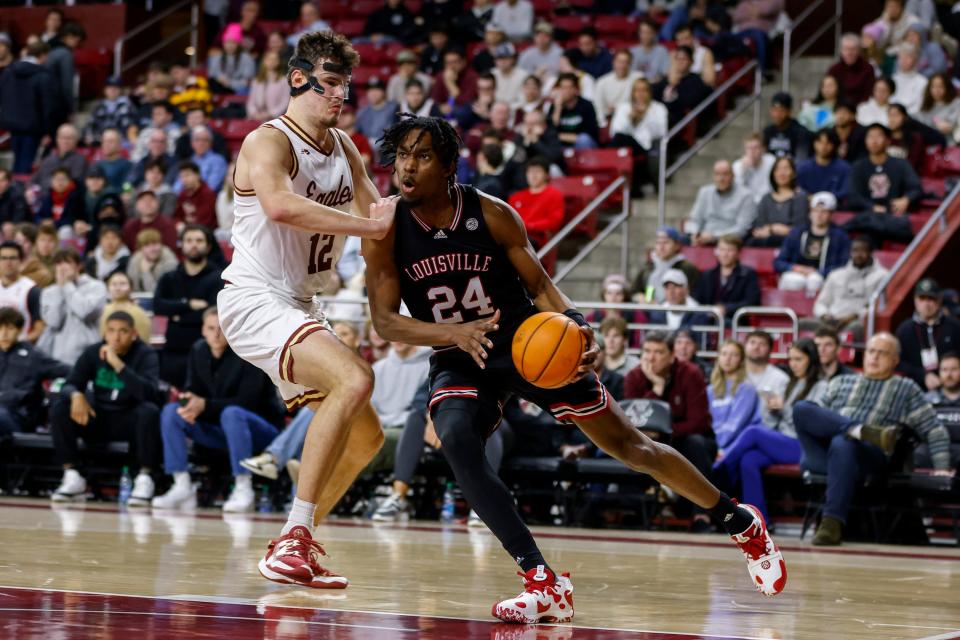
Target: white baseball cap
{"type": "Point", "coordinates": [675, 276]}
{"type": "Point", "coordinates": [824, 199]}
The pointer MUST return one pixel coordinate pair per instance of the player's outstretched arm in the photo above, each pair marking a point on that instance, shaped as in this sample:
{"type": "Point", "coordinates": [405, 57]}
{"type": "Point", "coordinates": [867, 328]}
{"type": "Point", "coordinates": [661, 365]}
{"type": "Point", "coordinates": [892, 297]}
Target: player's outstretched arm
{"type": "Point", "coordinates": [266, 156]}
{"type": "Point", "coordinates": [383, 291]}
{"type": "Point", "coordinates": [507, 229]}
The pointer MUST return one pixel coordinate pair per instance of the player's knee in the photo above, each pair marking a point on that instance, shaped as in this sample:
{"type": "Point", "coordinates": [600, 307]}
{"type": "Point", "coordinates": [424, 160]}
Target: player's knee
{"type": "Point", "coordinates": [356, 382]}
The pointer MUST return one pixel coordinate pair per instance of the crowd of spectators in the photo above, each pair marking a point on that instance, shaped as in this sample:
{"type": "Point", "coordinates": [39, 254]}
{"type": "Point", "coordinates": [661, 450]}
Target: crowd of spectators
{"type": "Point", "coordinates": [133, 210]}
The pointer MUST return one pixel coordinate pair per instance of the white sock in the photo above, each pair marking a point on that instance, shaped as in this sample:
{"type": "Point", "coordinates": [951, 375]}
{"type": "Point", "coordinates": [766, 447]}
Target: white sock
{"type": "Point", "coordinates": [854, 432]}
{"type": "Point", "coordinates": [301, 514]}
{"type": "Point", "coordinates": [243, 481]}
{"type": "Point", "coordinates": [181, 479]}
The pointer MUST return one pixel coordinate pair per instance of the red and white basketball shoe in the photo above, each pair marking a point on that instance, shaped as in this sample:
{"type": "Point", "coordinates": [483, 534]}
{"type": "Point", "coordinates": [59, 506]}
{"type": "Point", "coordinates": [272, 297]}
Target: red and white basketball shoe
{"type": "Point", "coordinates": [545, 598]}
{"type": "Point", "coordinates": [295, 559]}
{"type": "Point", "coordinates": [764, 560]}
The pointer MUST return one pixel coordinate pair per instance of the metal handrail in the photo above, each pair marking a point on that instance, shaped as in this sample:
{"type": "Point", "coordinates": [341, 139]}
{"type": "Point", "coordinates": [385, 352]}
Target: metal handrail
{"type": "Point", "coordinates": [789, 54]}
{"type": "Point", "coordinates": [878, 299]}
{"type": "Point", "coordinates": [193, 28]}
{"type": "Point", "coordinates": [701, 329]}
{"type": "Point", "coordinates": [577, 219]}
{"type": "Point", "coordinates": [753, 99]}
{"type": "Point", "coordinates": [766, 311]}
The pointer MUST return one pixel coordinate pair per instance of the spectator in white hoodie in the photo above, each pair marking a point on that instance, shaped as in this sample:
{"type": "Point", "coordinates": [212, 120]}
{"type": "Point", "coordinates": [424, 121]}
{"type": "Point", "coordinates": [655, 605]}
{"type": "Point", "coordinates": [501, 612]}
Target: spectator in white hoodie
{"type": "Point", "coordinates": [910, 83]}
{"type": "Point", "coordinates": [71, 309]}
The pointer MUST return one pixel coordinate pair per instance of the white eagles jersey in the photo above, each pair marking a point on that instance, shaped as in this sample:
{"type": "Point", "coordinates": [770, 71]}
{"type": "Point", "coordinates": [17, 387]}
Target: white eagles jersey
{"type": "Point", "coordinates": [293, 262]}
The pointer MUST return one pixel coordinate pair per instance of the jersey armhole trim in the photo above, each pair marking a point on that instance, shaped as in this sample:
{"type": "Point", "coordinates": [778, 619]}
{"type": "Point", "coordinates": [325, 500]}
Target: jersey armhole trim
{"type": "Point", "coordinates": [294, 162]}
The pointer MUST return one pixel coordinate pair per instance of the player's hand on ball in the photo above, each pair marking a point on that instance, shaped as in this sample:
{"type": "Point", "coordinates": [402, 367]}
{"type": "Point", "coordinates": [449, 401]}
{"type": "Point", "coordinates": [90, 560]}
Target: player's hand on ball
{"type": "Point", "coordinates": [472, 337]}
{"type": "Point", "coordinates": [382, 212]}
{"type": "Point", "coordinates": [588, 361]}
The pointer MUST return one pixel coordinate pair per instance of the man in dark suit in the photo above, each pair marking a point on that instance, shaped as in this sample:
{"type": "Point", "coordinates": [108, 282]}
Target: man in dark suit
{"type": "Point", "coordinates": [730, 285]}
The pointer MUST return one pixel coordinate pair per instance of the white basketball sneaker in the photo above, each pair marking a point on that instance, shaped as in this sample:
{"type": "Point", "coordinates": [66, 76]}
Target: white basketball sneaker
{"type": "Point", "coordinates": [545, 598]}
{"type": "Point", "coordinates": [143, 489]}
{"type": "Point", "coordinates": [181, 495]}
{"type": "Point", "coordinates": [241, 499]}
{"type": "Point", "coordinates": [72, 488]}
{"type": "Point", "coordinates": [764, 560]}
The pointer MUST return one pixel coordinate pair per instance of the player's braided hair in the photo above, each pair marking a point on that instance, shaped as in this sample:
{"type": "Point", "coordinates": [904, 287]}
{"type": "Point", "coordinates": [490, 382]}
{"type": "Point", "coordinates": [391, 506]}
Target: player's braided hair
{"type": "Point", "coordinates": [445, 140]}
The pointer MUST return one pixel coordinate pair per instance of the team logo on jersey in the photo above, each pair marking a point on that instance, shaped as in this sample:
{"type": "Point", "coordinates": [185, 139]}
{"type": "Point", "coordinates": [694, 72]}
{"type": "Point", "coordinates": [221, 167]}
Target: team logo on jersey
{"type": "Point", "coordinates": [305, 152]}
{"type": "Point", "coordinates": [472, 224]}
{"type": "Point", "coordinates": [440, 235]}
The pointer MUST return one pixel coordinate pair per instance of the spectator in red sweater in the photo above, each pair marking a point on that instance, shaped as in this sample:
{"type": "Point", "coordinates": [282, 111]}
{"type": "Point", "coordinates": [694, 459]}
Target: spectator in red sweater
{"type": "Point", "coordinates": [197, 203]}
{"type": "Point", "coordinates": [147, 207]}
{"type": "Point", "coordinates": [539, 205]}
{"type": "Point", "coordinates": [853, 72]}
{"type": "Point", "coordinates": [661, 376]}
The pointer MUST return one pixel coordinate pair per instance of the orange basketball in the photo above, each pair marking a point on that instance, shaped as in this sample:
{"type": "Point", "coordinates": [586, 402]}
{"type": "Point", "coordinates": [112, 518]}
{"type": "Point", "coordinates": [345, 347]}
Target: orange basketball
{"type": "Point", "coordinates": [547, 349]}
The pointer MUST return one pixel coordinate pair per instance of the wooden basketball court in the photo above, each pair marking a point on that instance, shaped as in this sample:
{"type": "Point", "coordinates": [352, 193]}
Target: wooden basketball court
{"type": "Point", "coordinates": [95, 572]}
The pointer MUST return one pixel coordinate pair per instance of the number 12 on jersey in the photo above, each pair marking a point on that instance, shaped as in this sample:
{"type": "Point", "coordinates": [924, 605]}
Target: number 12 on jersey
{"type": "Point", "coordinates": [320, 260]}
{"type": "Point", "coordinates": [473, 298]}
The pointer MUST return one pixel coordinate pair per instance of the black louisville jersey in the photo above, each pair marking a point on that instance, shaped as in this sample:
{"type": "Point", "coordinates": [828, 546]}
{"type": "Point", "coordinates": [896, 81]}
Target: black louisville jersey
{"type": "Point", "coordinates": [458, 274]}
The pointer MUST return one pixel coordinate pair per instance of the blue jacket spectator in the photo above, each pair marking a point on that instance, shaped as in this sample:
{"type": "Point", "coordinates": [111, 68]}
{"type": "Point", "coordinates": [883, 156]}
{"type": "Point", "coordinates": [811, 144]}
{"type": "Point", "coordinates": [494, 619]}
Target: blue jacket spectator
{"type": "Point", "coordinates": [734, 403]}
{"type": "Point", "coordinates": [824, 171]}
{"type": "Point", "coordinates": [588, 55]}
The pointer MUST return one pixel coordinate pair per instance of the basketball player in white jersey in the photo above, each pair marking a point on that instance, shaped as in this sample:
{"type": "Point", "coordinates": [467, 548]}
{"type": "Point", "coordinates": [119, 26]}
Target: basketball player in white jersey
{"type": "Point", "coordinates": [297, 179]}
{"type": "Point", "coordinates": [18, 291]}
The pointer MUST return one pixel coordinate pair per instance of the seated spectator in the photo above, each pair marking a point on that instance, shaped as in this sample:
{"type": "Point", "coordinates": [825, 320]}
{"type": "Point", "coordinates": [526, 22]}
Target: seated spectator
{"type": "Point", "coordinates": [589, 56]}
{"type": "Point", "coordinates": [702, 63]}
{"type": "Point", "coordinates": [184, 147]}
{"type": "Point", "coordinates": [769, 381]}
{"type": "Point", "coordinates": [269, 91]}
{"type": "Point", "coordinates": [639, 122]}
{"type": "Point", "coordinates": [516, 17]}
{"type": "Point", "coordinates": [115, 166]}
{"type": "Point", "coordinates": [13, 205]}
{"type": "Point", "coordinates": [852, 430]}
{"type": "Point", "coordinates": [147, 216]}
{"type": "Point", "coordinates": [181, 296]}
{"type": "Point", "coordinates": [226, 404]}
{"type": "Point", "coordinates": [543, 58]}
{"type": "Point", "coordinates": [197, 202]}
{"type": "Point", "coordinates": [378, 114]}
{"type": "Point", "coordinates": [824, 171]}
{"type": "Point", "coordinates": [927, 334]}
{"type": "Point", "coordinates": [407, 367]}
{"type": "Point", "coordinates": [535, 138]}
{"type": "Point", "coordinates": [254, 39]}
{"type": "Point", "coordinates": [225, 204]}
{"type": "Point", "coordinates": [734, 403]}
{"type": "Point", "coordinates": [110, 210]}
{"type": "Point", "coordinates": [158, 150]}
{"type": "Point", "coordinates": [115, 111]}
{"type": "Point", "coordinates": [456, 84]}
{"type": "Point", "coordinates": [660, 376]}
{"type": "Point", "coordinates": [192, 93]}
{"type": "Point", "coordinates": [63, 204]}
{"type": "Point", "coordinates": [905, 142]}
{"type": "Point", "coordinates": [611, 380]}
{"type": "Point", "coordinates": [944, 398]}
{"type": "Point", "coordinates": [20, 292]}
{"type": "Point", "coordinates": [896, 20]}
{"type": "Point", "coordinates": [157, 89]}
{"type": "Point", "coordinates": [162, 128]}
{"type": "Point", "coordinates": [63, 155]}
{"type": "Point", "coordinates": [932, 59]}
{"type": "Point", "coordinates": [817, 114]}
{"type": "Point", "coordinates": [882, 189]}
{"type": "Point", "coordinates": [70, 309]}
{"type": "Point", "coordinates": [393, 22]}
{"type": "Point", "coordinates": [755, 20]}
{"type": "Point", "coordinates": [828, 347]}
{"type": "Point", "coordinates": [398, 83]}
{"type": "Point", "coordinates": [666, 255]}
{"type": "Point", "coordinates": [784, 208]}
{"type": "Point", "coordinates": [109, 256]}
{"type": "Point", "coordinates": [348, 124]}
{"type": "Point", "coordinates": [940, 108]}
{"type": "Point", "coordinates": [676, 292]}
{"type": "Point", "coordinates": [150, 261]}
{"type": "Point", "coordinates": [842, 303]}
{"type": "Point", "coordinates": [477, 113]}
{"type": "Point", "coordinates": [432, 55]}
{"type": "Point", "coordinates": [309, 20]}
{"type": "Point", "coordinates": [722, 208]}
{"type": "Point", "coordinates": [680, 90]}
{"type": "Point", "coordinates": [852, 71]}
{"type": "Point", "coordinates": [616, 87]}
{"type": "Point", "coordinates": [685, 349]}
{"type": "Point", "coordinates": [910, 83]}
{"type": "Point", "coordinates": [572, 116]}
{"type": "Point", "coordinates": [616, 290]}
{"type": "Point", "coordinates": [119, 288]}
{"type": "Point", "coordinates": [812, 250]}
{"type": "Point", "coordinates": [585, 81]}
{"type": "Point", "coordinates": [493, 37]}
{"type": "Point", "coordinates": [157, 177]}
{"type": "Point", "coordinates": [231, 69]}
{"type": "Point", "coordinates": [39, 243]}
{"type": "Point", "coordinates": [490, 171]}
{"type": "Point", "coordinates": [650, 58]}
{"type": "Point", "coordinates": [850, 134]}
{"type": "Point", "coordinates": [874, 110]}
{"type": "Point", "coordinates": [415, 100]}
{"type": "Point", "coordinates": [785, 136]}
{"type": "Point", "coordinates": [121, 373]}
{"type": "Point", "coordinates": [615, 338]}
{"type": "Point", "coordinates": [212, 165]}
{"type": "Point", "coordinates": [758, 447]}
{"type": "Point", "coordinates": [540, 206]}
{"type": "Point", "coordinates": [25, 368]}
{"type": "Point", "coordinates": [509, 76]}
{"type": "Point", "coordinates": [752, 171]}
{"type": "Point", "coordinates": [729, 285]}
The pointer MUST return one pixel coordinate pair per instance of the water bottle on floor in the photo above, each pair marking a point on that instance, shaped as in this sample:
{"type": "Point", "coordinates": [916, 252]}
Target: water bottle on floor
{"type": "Point", "coordinates": [264, 503]}
{"type": "Point", "coordinates": [449, 509]}
{"type": "Point", "coordinates": [126, 486]}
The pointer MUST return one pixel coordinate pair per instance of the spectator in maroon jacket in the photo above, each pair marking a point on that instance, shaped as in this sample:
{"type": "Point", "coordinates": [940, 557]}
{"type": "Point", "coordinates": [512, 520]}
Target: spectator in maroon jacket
{"type": "Point", "coordinates": [456, 84]}
{"type": "Point", "coordinates": [197, 203]}
{"type": "Point", "coordinates": [540, 206]}
{"type": "Point", "coordinates": [148, 216]}
{"type": "Point", "coordinates": [661, 376]}
{"type": "Point", "coordinates": [852, 71]}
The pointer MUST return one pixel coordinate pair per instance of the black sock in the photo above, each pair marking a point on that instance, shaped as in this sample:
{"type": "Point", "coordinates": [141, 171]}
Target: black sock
{"type": "Point", "coordinates": [532, 561]}
{"type": "Point", "coordinates": [733, 518]}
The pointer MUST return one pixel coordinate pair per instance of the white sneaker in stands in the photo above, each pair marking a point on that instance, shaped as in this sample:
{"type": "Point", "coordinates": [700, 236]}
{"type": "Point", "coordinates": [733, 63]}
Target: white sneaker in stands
{"type": "Point", "coordinates": [294, 558]}
{"type": "Point", "coordinates": [262, 465]}
{"type": "Point", "coordinates": [143, 489]}
{"type": "Point", "coordinates": [764, 560]}
{"type": "Point", "coordinates": [72, 488]}
{"type": "Point", "coordinates": [545, 598]}
{"type": "Point", "coordinates": [241, 499]}
{"type": "Point", "coordinates": [180, 496]}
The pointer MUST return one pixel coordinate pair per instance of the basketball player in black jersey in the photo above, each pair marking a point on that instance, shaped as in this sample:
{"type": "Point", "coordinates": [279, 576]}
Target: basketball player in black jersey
{"type": "Point", "coordinates": [461, 262]}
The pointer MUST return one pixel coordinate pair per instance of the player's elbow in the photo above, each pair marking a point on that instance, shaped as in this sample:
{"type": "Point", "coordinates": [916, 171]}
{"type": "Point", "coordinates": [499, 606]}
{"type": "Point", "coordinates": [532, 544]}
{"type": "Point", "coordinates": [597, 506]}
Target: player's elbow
{"type": "Point", "coordinates": [276, 212]}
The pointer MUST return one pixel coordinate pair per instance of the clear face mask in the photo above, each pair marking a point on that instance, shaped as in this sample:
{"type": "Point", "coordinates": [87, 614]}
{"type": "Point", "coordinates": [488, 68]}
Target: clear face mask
{"type": "Point", "coordinates": [326, 86]}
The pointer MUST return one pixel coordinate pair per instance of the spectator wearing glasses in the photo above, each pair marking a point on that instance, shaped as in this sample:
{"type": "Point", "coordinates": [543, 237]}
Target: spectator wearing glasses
{"type": "Point", "coordinates": [926, 335]}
